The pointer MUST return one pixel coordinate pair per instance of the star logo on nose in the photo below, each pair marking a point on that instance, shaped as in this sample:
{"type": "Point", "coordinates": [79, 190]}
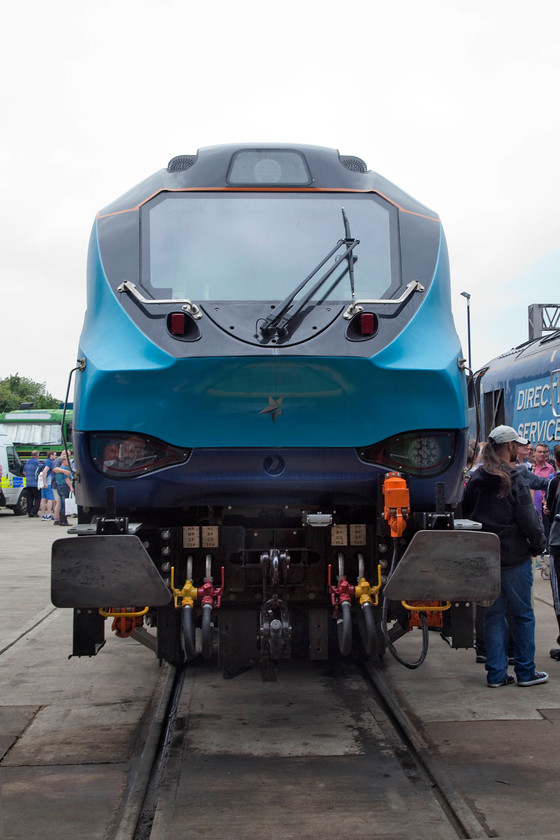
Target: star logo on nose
{"type": "Point", "coordinates": [274, 408]}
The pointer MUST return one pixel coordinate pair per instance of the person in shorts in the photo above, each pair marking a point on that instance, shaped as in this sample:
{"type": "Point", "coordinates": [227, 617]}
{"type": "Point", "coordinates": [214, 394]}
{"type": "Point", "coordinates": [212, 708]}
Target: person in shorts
{"type": "Point", "coordinates": [47, 493]}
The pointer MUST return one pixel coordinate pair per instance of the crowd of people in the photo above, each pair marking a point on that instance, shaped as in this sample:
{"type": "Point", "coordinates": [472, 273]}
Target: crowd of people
{"type": "Point", "coordinates": [49, 485]}
{"type": "Point", "coordinates": [512, 491]}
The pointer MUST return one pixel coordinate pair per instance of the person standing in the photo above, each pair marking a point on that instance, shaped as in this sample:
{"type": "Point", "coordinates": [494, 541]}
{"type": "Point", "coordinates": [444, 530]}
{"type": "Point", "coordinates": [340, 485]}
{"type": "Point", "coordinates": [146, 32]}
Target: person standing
{"type": "Point", "coordinates": [32, 490]}
{"type": "Point", "coordinates": [54, 488]}
{"type": "Point", "coordinates": [538, 485]}
{"type": "Point", "coordinates": [544, 470]}
{"type": "Point", "coordinates": [535, 481]}
{"type": "Point", "coordinates": [553, 506]}
{"type": "Point", "coordinates": [47, 495]}
{"type": "Point", "coordinates": [63, 475]}
{"type": "Point", "coordinates": [498, 497]}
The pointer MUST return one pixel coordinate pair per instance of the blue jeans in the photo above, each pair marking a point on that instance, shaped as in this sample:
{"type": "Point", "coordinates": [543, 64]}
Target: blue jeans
{"type": "Point", "coordinates": [516, 593]}
{"type": "Point", "coordinates": [63, 492]}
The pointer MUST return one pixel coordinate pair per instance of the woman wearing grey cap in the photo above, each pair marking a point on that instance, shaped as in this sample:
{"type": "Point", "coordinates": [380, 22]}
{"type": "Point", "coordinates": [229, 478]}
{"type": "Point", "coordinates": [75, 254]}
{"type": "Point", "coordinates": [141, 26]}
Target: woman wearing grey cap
{"type": "Point", "coordinates": [497, 496]}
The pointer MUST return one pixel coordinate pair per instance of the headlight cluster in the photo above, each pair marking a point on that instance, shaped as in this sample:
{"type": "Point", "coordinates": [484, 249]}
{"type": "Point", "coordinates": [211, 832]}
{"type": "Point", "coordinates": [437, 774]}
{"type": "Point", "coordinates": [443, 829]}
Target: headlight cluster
{"type": "Point", "coordinates": [128, 455]}
{"type": "Point", "coordinates": [422, 453]}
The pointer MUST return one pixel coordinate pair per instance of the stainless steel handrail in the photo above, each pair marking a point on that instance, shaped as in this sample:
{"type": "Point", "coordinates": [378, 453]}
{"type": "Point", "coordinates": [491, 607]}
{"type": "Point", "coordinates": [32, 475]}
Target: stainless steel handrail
{"type": "Point", "coordinates": [187, 305]}
{"type": "Point", "coordinates": [358, 305]}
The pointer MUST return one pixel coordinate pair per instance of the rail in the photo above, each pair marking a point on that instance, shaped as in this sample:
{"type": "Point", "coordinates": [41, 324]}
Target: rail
{"type": "Point", "coordinates": [358, 305]}
{"type": "Point", "coordinates": [187, 305]}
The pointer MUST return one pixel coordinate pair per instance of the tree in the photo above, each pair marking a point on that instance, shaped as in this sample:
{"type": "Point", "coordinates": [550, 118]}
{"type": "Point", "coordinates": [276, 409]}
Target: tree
{"type": "Point", "coordinates": [16, 389]}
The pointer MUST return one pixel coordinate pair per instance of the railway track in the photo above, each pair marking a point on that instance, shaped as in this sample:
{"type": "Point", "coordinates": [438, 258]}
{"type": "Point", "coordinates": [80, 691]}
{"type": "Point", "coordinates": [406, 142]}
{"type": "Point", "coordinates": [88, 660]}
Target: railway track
{"type": "Point", "coordinates": [314, 755]}
{"type": "Point", "coordinates": [322, 752]}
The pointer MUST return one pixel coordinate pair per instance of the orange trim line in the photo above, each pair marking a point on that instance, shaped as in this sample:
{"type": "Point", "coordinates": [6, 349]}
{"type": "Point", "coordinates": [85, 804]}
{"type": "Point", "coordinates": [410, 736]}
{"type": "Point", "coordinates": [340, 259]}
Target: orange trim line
{"type": "Point", "coordinates": [268, 190]}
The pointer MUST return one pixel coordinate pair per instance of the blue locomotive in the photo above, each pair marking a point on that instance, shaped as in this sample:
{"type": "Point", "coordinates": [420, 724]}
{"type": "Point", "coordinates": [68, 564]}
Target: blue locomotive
{"type": "Point", "coordinates": [270, 416]}
{"type": "Point", "coordinates": [521, 387]}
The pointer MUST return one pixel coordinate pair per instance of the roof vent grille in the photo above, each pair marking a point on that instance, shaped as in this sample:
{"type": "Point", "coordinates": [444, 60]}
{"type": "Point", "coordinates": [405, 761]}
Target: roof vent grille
{"type": "Point", "coordinates": [354, 164]}
{"type": "Point", "coordinates": [181, 162]}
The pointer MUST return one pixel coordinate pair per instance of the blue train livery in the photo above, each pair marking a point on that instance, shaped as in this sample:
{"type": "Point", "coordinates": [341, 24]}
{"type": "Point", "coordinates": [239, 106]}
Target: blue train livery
{"type": "Point", "coordinates": [521, 388]}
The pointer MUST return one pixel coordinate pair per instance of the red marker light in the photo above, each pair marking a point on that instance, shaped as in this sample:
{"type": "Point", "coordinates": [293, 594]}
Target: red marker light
{"type": "Point", "coordinates": [177, 323]}
{"type": "Point", "coordinates": [367, 323]}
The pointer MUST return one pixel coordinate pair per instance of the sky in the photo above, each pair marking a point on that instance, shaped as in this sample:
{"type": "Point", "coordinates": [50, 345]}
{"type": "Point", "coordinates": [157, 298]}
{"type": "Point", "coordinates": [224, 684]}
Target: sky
{"type": "Point", "coordinates": [456, 103]}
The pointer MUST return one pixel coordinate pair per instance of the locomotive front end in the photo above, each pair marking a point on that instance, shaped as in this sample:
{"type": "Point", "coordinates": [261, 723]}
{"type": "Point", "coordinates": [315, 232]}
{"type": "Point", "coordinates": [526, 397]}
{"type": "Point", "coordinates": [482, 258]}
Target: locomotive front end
{"type": "Point", "coordinates": [268, 338]}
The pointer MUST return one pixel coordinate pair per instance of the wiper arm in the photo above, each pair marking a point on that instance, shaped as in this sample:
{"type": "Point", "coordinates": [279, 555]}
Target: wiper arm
{"type": "Point", "coordinates": [350, 256]}
{"type": "Point", "coordinates": [279, 320]}
{"type": "Point", "coordinates": [328, 292]}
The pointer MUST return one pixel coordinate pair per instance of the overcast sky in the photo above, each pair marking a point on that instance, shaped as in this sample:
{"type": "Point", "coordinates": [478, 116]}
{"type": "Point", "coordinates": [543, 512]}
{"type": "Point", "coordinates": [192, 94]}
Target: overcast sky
{"type": "Point", "coordinates": [455, 102]}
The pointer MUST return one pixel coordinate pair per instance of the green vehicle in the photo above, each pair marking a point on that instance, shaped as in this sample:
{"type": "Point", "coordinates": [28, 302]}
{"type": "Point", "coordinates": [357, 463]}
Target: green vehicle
{"type": "Point", "coordinates": [37, 428]}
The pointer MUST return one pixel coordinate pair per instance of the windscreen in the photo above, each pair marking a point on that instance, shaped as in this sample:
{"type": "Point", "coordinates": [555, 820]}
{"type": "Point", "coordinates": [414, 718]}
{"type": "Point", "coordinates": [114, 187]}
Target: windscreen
{"type": "Point", "coordinates": [227, 246]}
{"type": "Point", "coordinates": [38, 434]}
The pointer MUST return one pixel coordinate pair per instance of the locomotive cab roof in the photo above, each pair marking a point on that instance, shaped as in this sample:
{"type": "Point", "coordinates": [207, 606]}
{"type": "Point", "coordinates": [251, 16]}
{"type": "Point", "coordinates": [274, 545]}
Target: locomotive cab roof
{"type": "Point", "coordinates": [265, 166]}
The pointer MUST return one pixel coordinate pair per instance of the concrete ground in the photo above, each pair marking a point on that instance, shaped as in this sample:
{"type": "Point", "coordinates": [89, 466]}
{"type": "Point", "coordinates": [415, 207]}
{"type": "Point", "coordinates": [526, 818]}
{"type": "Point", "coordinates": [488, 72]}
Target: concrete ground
{"type": "Point", "coordinates": [69, 728]}
{"type": "Point", "coordinates": [501, 746]}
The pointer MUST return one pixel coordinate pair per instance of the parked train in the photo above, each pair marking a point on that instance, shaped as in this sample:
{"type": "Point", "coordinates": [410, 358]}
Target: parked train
{"type": "Point", "coordinates": [522, 389]}
{"type": "Point", "coordinates": [270, 422]}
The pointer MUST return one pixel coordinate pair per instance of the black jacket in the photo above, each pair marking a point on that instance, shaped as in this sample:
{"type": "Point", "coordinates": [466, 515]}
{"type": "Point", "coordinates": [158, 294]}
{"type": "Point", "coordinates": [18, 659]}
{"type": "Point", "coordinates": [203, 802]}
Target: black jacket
{"type": "Point", "coordinates": [553, 496]}
{"type": "Point", "coordinates": [513, 518]}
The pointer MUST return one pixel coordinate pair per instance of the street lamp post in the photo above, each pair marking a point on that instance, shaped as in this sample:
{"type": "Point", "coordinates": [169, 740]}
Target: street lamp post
{"type": "Point", "coordinates": [468, 297]}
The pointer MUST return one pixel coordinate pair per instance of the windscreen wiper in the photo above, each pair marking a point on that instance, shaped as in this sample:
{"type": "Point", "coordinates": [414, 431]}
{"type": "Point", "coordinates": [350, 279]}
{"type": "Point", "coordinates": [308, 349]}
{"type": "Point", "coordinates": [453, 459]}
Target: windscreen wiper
{"type": "Point", "coordinates": [350, 255]}
{"type": "Point", "coordinates": [277, 323]}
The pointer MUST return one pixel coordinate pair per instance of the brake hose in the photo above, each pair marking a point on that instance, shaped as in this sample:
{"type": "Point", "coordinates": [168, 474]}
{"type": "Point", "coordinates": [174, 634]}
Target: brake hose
{"type": "Point", "coordinates": [384, 611]}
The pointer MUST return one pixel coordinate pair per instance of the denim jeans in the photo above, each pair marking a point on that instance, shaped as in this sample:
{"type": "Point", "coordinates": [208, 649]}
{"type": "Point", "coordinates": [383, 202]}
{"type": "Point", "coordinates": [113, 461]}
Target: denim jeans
{"type": "Point", "coordinates": [555, 582]}
{"type": "Point", "coordinates": [516, 594]}
{"type": "Point", "coordinates": [63, 492]}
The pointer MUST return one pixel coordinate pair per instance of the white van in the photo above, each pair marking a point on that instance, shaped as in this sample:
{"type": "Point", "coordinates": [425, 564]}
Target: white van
{"type": "Point", "coordinates": [13, 481]}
